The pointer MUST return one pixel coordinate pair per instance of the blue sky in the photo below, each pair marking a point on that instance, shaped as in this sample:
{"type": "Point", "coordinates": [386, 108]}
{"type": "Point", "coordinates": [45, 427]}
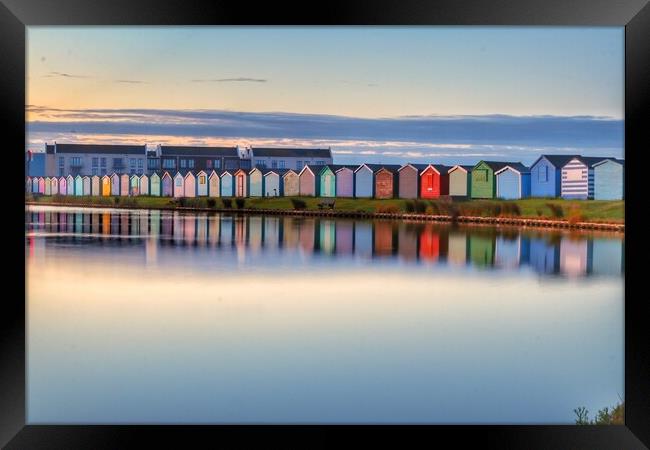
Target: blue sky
{"type": "Point", "coordinates": [377, 93]}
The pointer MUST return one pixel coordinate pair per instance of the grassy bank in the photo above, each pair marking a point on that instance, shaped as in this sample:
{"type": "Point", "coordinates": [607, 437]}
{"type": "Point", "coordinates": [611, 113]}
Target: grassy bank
{"type": "Point", "coordinates": [553, 209]}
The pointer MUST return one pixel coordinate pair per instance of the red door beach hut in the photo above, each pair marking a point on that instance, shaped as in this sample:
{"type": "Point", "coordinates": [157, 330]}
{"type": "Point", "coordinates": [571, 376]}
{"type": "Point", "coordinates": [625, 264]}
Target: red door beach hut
{"type": "Point", "coordinates": [241, 180]}
{"type": "Point", "coordinates": [189, 185]}
{"type": "Point", "coordinates": [345, 181]}
{"type": "Point", "coordinates": [308, 181]}
{"type": "Point", "coordinates": [460, 181]}
{"type": "Point", "coordinates": [290, 184]}
{"type": "Point", "coordinates": [434, 181]}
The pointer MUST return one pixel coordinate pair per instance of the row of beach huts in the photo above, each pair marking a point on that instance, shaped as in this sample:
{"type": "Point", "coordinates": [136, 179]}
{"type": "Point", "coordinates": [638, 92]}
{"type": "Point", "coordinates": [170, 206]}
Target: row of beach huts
{"type": "Point", "coordinates": [571, 177]}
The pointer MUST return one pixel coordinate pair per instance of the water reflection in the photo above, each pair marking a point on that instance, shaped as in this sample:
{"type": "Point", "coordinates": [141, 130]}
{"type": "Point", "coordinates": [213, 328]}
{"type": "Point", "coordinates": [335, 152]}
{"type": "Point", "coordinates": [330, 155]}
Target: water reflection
{"type": "Point", "coordinates": [546, 253]}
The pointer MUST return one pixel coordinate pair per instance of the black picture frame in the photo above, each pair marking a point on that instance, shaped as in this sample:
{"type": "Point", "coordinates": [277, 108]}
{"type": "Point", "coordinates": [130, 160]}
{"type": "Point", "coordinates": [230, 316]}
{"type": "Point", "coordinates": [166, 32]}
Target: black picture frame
{"type": "Point", "coordinates": [15, 15]}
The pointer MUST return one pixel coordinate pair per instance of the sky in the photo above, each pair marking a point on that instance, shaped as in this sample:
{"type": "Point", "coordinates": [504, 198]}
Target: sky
{"type": "Point", "coordinates": [376, 94]}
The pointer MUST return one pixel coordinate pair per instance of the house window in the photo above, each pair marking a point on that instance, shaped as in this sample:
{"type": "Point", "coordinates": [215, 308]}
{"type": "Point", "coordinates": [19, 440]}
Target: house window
{"type": "Point", "coordinates": [61, 162]}
{"type": "Point", "coordinates": [261, 163]}
{"type": "Point", "coordinates": [76, 161]}
{"type": "Point", "coordinates": [132, 164]}
{"type": "Point", "coordinates": [208, 164]}
{"type": "Point", "coordinates": [217, 164]}
{"type": "Point", "coordinates": [104, 171]}
{"type": "Point", "coordinates": [299, 165]}
{"type": "Point", "coordinates": [102, 163]}
{"type": "Point", "coordinates": [274, 164]}
{"type": "Point", "coordinates": [281, 164]}
{"type": "Point", "coordinates": [320, 163]}
{"type": "Point", "coordinates": [183, 163]}
{"type": "Point", "coordinates": [117, 163]}
{"type": "Point", "coordinates": [231, 164]}
{"type": "Point", "coordinates": [61, 171]}
{"type": "Point", "coordinates": [190, 163]}
{"type": "Point", "coordinates": [169, 163]}
{"type": "Point", "coordinates": [152, 163]}
{"type": "Point", "coordinates": [140, 163]}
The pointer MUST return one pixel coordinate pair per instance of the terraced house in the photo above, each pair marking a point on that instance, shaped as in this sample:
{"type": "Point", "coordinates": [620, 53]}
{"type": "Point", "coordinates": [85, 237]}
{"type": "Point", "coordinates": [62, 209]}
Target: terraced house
{"type": "Point", "coordinates": [94, 159]}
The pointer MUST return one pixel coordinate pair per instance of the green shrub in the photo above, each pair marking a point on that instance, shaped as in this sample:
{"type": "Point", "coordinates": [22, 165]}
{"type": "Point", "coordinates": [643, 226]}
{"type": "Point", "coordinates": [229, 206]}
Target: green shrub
{"type": "Point", "coordinates": [240, 203]}
{"type": "Point", "coordinates": [556, 210]}
{"type": "Point", "coordinates": [212, 203]}
{"type": "Point", "coordinates": [227, 202]}
{"type": "Point", "coordinates": [298, 203]}
{"type": "Point", "coordinates": [116, 200]}
{"type": "Point", "coordinates": [409, 206]}
{"type": "Point", "coordinates": [420, 206]}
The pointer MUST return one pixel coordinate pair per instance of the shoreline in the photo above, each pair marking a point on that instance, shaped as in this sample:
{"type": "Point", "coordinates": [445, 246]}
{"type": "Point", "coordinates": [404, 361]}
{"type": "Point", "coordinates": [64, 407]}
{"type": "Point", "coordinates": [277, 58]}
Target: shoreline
{"type": "Point", "coordinates": [469, 220]}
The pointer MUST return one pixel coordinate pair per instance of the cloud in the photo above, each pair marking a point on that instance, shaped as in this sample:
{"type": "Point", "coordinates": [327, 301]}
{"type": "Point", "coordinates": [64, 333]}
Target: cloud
{"type": "Point", "coordinates": [132, 81]}
{"type": "Point", "coordinates": [64, 75]}
{"type": "Point", "coordinates": [232, 80]}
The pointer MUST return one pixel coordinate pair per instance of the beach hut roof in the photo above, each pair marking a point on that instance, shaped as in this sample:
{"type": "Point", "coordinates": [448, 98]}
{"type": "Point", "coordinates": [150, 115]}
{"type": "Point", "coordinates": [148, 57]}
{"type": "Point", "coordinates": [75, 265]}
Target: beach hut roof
{"type": "Point", "coordinates": [557, 160]}
{"type": "Point", "coordinates": [287, 172]}
{"type": "Point", "coordinates": [226, 172]}
{"type": "Point", "coordinates": [461, 167]}
{"type": "Point", "coordinates": [377, 167]}
{"type": "Point", "coordinates": [315, 169]}
{"type": "Point", "coordinates": [591, 161]}
{"type": "Point", "coordinates": [517, 167]}
{"type": "Point", "coordinates": [497, 165]}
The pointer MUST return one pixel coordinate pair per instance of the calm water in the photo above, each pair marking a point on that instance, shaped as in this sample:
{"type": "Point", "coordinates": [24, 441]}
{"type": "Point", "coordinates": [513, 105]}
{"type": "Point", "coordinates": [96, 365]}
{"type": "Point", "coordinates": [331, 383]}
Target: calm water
{"type": "Point", "coordinates": [162, 317]}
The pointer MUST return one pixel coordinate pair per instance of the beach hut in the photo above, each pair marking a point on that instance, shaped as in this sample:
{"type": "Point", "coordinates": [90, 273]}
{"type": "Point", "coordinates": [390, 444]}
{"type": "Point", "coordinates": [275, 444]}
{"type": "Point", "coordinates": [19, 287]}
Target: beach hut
{"type": "Point", "coordinates": [386, 182]}
{"type": "Point", "coordinates": [214, 185]}
{"type": "Point", "coordinates": [134, 185]}
{"type": "Point", "coordinates": [41, 185]}
{"type": "Point", "coordinates": [48, 186]}
{"type": "Point", "coordinates": [69, 182]}
{"type": "Point", "coordinates": [179, 186]}
{"type": "Point", "coordinates": [483, 181]}
{"type": "Point", "coordinates": [256, 181]}
{"type": "Point", "coordinates": [106, 186]}
{"type": "Point", "coordinates": [144, 185]}
{"type": "Point", "coordinates": [460, 181]}
{"type": "Point", "coordinates": [86, 185]}
{"type": "Point", "coordinates": [409, 180]}
{"type": "Point", "coordinates": [202, 184]}
{"type": "Point", "coordinates": [115, 184]}
{"type": "Point", "coordinates": [227, 185]}
{"type": "Point", "coordinates": [434, 181]}
{"type": "Point", "coordinates": [307, 181]}
{"type": "Point", "coordinates": [364, 181]}
{"type": "Point", "coordinates": [608, 179]}
{"type": "Point", "coordinates": [28, 184]}
{"type": "Point", "coordinates": [125, 183]}
{"type": "Point", "coordinates": [95, 185]}
{"type": "Point", "coordinates": [78, 185]}
{"type": "Point", "coordinates": [63, 186]}
{"type": "Point", "coordinates": [55, 185]}
{"type": "Point", "coordinates": [189, 185]}
{"type": "Point", "coordinates": [513, 181]}
{"type": "Point", "coordinates": [240, 179]}
{"type": "Point", "coordinates": [34, 188]}
{"type": "Point", "coordinates": [155, 185]}
{"type": "Point", "coordinates": [326, 180]}
{"type": "Point", "coordinates": [345, 181]}
{"type": "Point", "coordinates": [271, 183]}
{"type": "Point", "coordinates": [290, 184]}
{"type": "Point", "coordinates": [546, 175]}
{"type": "Point", "coordinates": [167, 184]}
{"type": "Point", "coordinates": [578, 178]}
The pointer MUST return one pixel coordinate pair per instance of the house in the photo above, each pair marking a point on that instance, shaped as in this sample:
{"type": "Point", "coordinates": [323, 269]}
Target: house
{"type": "Point", "coordinates": [93, 159]}
{"type": "Point", "coordinates": [290, 183]}
{"type": "Point", "coordinates": [546, 175]}
{"type": "Point", "coordinates": [106, 186]}
{"type": "Point", "coordinates": [345, 181]}
{"type": "Point", "coordinates": [578, 178]}
{"type": "Point", "coordinates": [155, 188]}
{"type": "Point", "coordinates": [409, 180]}
{"type": "Point", "coordinates": [214, 184]}
{"type": "Point", "coordinates": [513, 181]}
{"type": "Point", "coordinates": [307, 181]}
{"type": "Point", "coordinates": [115, 184]}
{"type": "Point", "coordinates": [434, 181]}
{"type": "Point", "coordinates": [364, 181]}
{"type": "Point", "coordinates": [460, 181]}
{"type": "Point", "coordinates": [95, 186]}
{"type": "Point", "coordinates": [167, 184]}
{"type": "Point", "coordinates": [256, 182]}
{"type": "Point", "coordinates": [227, 185]}
{"type": "Point", "coordinates": [609, 176]}
{"type": "Point", "coordinates": [78, 185]}
{"type": "Point", "coordinates": [63, 186]}
{"type": "Point", "coordinates": [134, 185]}
{"type": "Point", "coordinates": [483, 181]}
{"type": "Point", "coordinates": [179, 186]}
{"type": "Point", "coordinates": [34, 185]}
{"type": "Point", "coordinates": [240, 179]}
{"type": "Point", "coordinates": [271, 182]}
{"type": "Point", "coordinates": [124, 184]}
{"type": "Point", "coordinates": [55, 186]}
{"type": "Point", "coordinates": [289, 158]}
{"type": "Point", "coordinates": [182, 158]}
{"type": "Point", "coordinates": [87, 187]}
{"type": "Point", "coordinates": [48, 186]}
{"type": "Point", "coordinates": [189, 185]}
{"type": "Point", "coordinates": [144, 185]}
{"type": "Point", "coordinates": [202, 184]}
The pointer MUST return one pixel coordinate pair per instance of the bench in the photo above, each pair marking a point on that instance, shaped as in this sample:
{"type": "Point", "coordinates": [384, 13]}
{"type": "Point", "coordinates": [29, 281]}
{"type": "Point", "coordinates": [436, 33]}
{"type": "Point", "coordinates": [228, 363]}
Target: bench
{"type": "Point", "coordinates": [326, 203]}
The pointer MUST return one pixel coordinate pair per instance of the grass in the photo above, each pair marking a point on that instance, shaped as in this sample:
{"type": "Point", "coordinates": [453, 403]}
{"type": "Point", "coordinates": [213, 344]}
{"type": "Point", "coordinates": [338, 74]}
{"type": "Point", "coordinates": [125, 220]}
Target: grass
{"type": "Point", "coordinates": [545, 208]}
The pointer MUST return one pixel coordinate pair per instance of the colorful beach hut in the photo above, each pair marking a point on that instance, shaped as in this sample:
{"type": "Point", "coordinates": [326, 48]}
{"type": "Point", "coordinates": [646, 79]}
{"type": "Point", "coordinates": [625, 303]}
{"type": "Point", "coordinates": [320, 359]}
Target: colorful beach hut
{"type": "Point", "coordinates": [513, 181]}
{"type": "Point", "coordinates": [483, 181]}
{"type": "Point", "coordinates": [78, 185]}
{"type": "Point", "coordinates": [609, 179]}
{"type": "Point", "coordinates": [69, 182]}
{"type": "Point", "coordinates": [55, 185]}
{"type": "Point", "coordinates": [546, 175]}
{"type": "Point", "coordinates": [578, 178]}
{"type": "Point", "coordinates": [63, 186]}
{"type": "Point", "coordinates": [434, 181]}
{"type": "Point", "coordinates": [48, 186]}
{"type": "Point", "coordinates": [409, 180]}
{"type": "Point", "coordinates": [214, 188]}
{"type": "Point", "coordinates": [155, 185]}
{"type": "Point", "coordinates": [290, 184]}
{"type": "Point", "coordinates": [386, 181]}
{"type": "Point", "coordinates": [87, 185]}
{"type": "Point", "coordinates": [202, 184]}
{"type": "Point", "coordinates": [124, 184]}
{"type": "Point", "coordinates": [41, 185]}
{"type": "Point", "coordinates": [95, 185]}
{"type": "Point", "coordinates": [364, 181]}
{"type": "Point", "coordinates": [271, 183]}
{"type": "Point", "coordinates": [227, 185]}
{"type": "Point", "coordinates": [144, 185]}
{"type": "Point", "coordinates": [460, 180]}
{"type": "Point", "coordinates": [179, 186]}
{"type": "Point", "coordinates": [34, 188]}
{"type": "Point", "coordinates": [167, 184]}
{"type": "Point", "coordinates": [134, 185]}
{"type": "Point", "coordinates": [241, 183]}
{"type": "Point", "coordinates": [28, 184]}
{"type": "Point", "coordinates": [106, 186]}
{"type": "Point", "coordinates": [326, 181]}
{"type": "Point", "coordinates": [256, 181]}
{"type": "Point", "coordinates": [115, 184]}
{"type": "Point", "coordinates": [189, 185]}
{"type": "Point", "coordinates": [345, 181]}
{"type": "Point", "coordinates": [307, 181]}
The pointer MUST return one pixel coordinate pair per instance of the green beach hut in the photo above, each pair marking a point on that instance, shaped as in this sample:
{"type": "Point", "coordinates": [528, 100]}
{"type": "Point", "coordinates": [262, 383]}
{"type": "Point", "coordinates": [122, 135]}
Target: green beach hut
{"type": "Point", "coordinates": [483, 182]}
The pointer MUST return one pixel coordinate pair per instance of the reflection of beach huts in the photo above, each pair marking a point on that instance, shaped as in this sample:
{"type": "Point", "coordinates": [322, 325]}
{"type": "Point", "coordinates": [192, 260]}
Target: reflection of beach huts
{"type": "Point", "coordinates": [481, 249]}
{"type": "Point", "coordinates": [575, 256]}
{"type": "Point", "coordinates": [407, 241]}
{"type": "Point", "coordinates": [179, 187]}
{"type": "Point", "coordinates": [271, 236]}
{"type": "Point", "coordinates": [95, 186]}
{"type": "Point", "coordinates": [429, 243]}
{"type": "Point", "coordinates": [460, 181]}
{"type": "Point", "coordinates": [227, 185]}
{"type": "Point", "coordinates": [546, 175]}
{"type": "Point", "coordinates": [457, 248]}
{"type": "Point", "coordinates": [271, 183]}
{"type": "Point", "coordinates": [344, 237]}
{"type": "Point", "coordinates": [125, 182]}
{"type": "Point", "coordinates": [255, 232]}
{"type": "Point", "coordinates": [578, 178]}
{"type": "Point", "coordinates": [144, 185]}
{"type": "Point", "coordinates": [202, 184]}
{"type": "Point", "coordinates": [483, 181]}
{"type": "Point", "coordinates": [307, 181]}
{"type": "Point", "coordinates": [240, 179]}
{"type": "Point", "coordinates": [383, 238]}
{"type": "Point", "coordinates": [608, 179]}
{"type": "Point", "coordinates": [409, 180]}
{"type": "Point", "coordinates": [290, 184]}
{"type": "Point", "coordinates": [86, 185]}
{"type": "Point", "coordinates": [345, 182]}
{"type": "Point", "coordinates": [214, 185]}
{"type": "Point", "coordinates": [189, 185]}
{"type": "Point", "coordinates": [306, 234]}
{"type": "Point", "coordinates": [155, 188]}
{"type": "Point", "coordinates": [255, 180]}
{"type": "Point", "coordinates": [326, 235]}
{"type": "Point", "coordinates": [607, 256]}
{"type": "Point", "coordinates": [167, 183]}
{"type": "Point", "coordinates": [63, 186]}
{"type": "Point", "coordinates": [134, 185]}
{"type": "Point", "coordinates": [115, 184]}
{"type": "Point", "coordinates": [78, 185]}
{"type": "Point", "coordinates": [513, 181]}
{"type": "Point", "coordinates": [363, 239]}
{"type": "Point", "coordinates": [326, 181]}
{"type": "Point", "coordinates": [507, 251]}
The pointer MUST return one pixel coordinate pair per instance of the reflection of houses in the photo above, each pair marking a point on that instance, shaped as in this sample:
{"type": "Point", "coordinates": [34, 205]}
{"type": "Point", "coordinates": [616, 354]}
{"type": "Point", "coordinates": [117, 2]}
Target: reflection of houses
{"type": "Point", "coordinates": [607, 256]}
{"type": "Point", "coordinates": [226, 230]}
{"type": "Point", "coordinates": [433, 244]}
{"type": "Point", "coordinates": [344, 237]}
{"type": "Point", "coordinates": [575, 256]}
{"type": "Point", "coordinates": [255, 232]}
{"type": "Point", "coordinates": [460, 181]}
{"type": "Point", "coordinates": [507, 251]}
{"type": "Point", "coordinates": [481, 249]}
{"type": "Point", "coordinates": [306, 232]}
{"type": "Point", "coordinates": [457, 245]}
{"type": "Point", "coordinates": [290, 235]}
{"type": "Point", "coordinates": [271, 233]}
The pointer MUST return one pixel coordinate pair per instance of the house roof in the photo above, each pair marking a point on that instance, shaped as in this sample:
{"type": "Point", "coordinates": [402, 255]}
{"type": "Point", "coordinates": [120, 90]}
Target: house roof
{"type": "Point", "coordinates": [176, 150]}
{"type": "Point", "coordinates": [101, 148]}
{"type": "Point", "coordinates": [49, 148]}
{"type": "Point", "coordinates": [556, 160]}
{"type": "Point", "coordinates": [291, 152]}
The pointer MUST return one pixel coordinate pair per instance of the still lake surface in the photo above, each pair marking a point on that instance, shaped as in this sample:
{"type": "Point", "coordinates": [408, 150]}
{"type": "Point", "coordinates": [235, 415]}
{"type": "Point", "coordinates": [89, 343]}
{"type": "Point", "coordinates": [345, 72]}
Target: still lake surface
{"type": "Point", "coordinates": [138, 316]}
